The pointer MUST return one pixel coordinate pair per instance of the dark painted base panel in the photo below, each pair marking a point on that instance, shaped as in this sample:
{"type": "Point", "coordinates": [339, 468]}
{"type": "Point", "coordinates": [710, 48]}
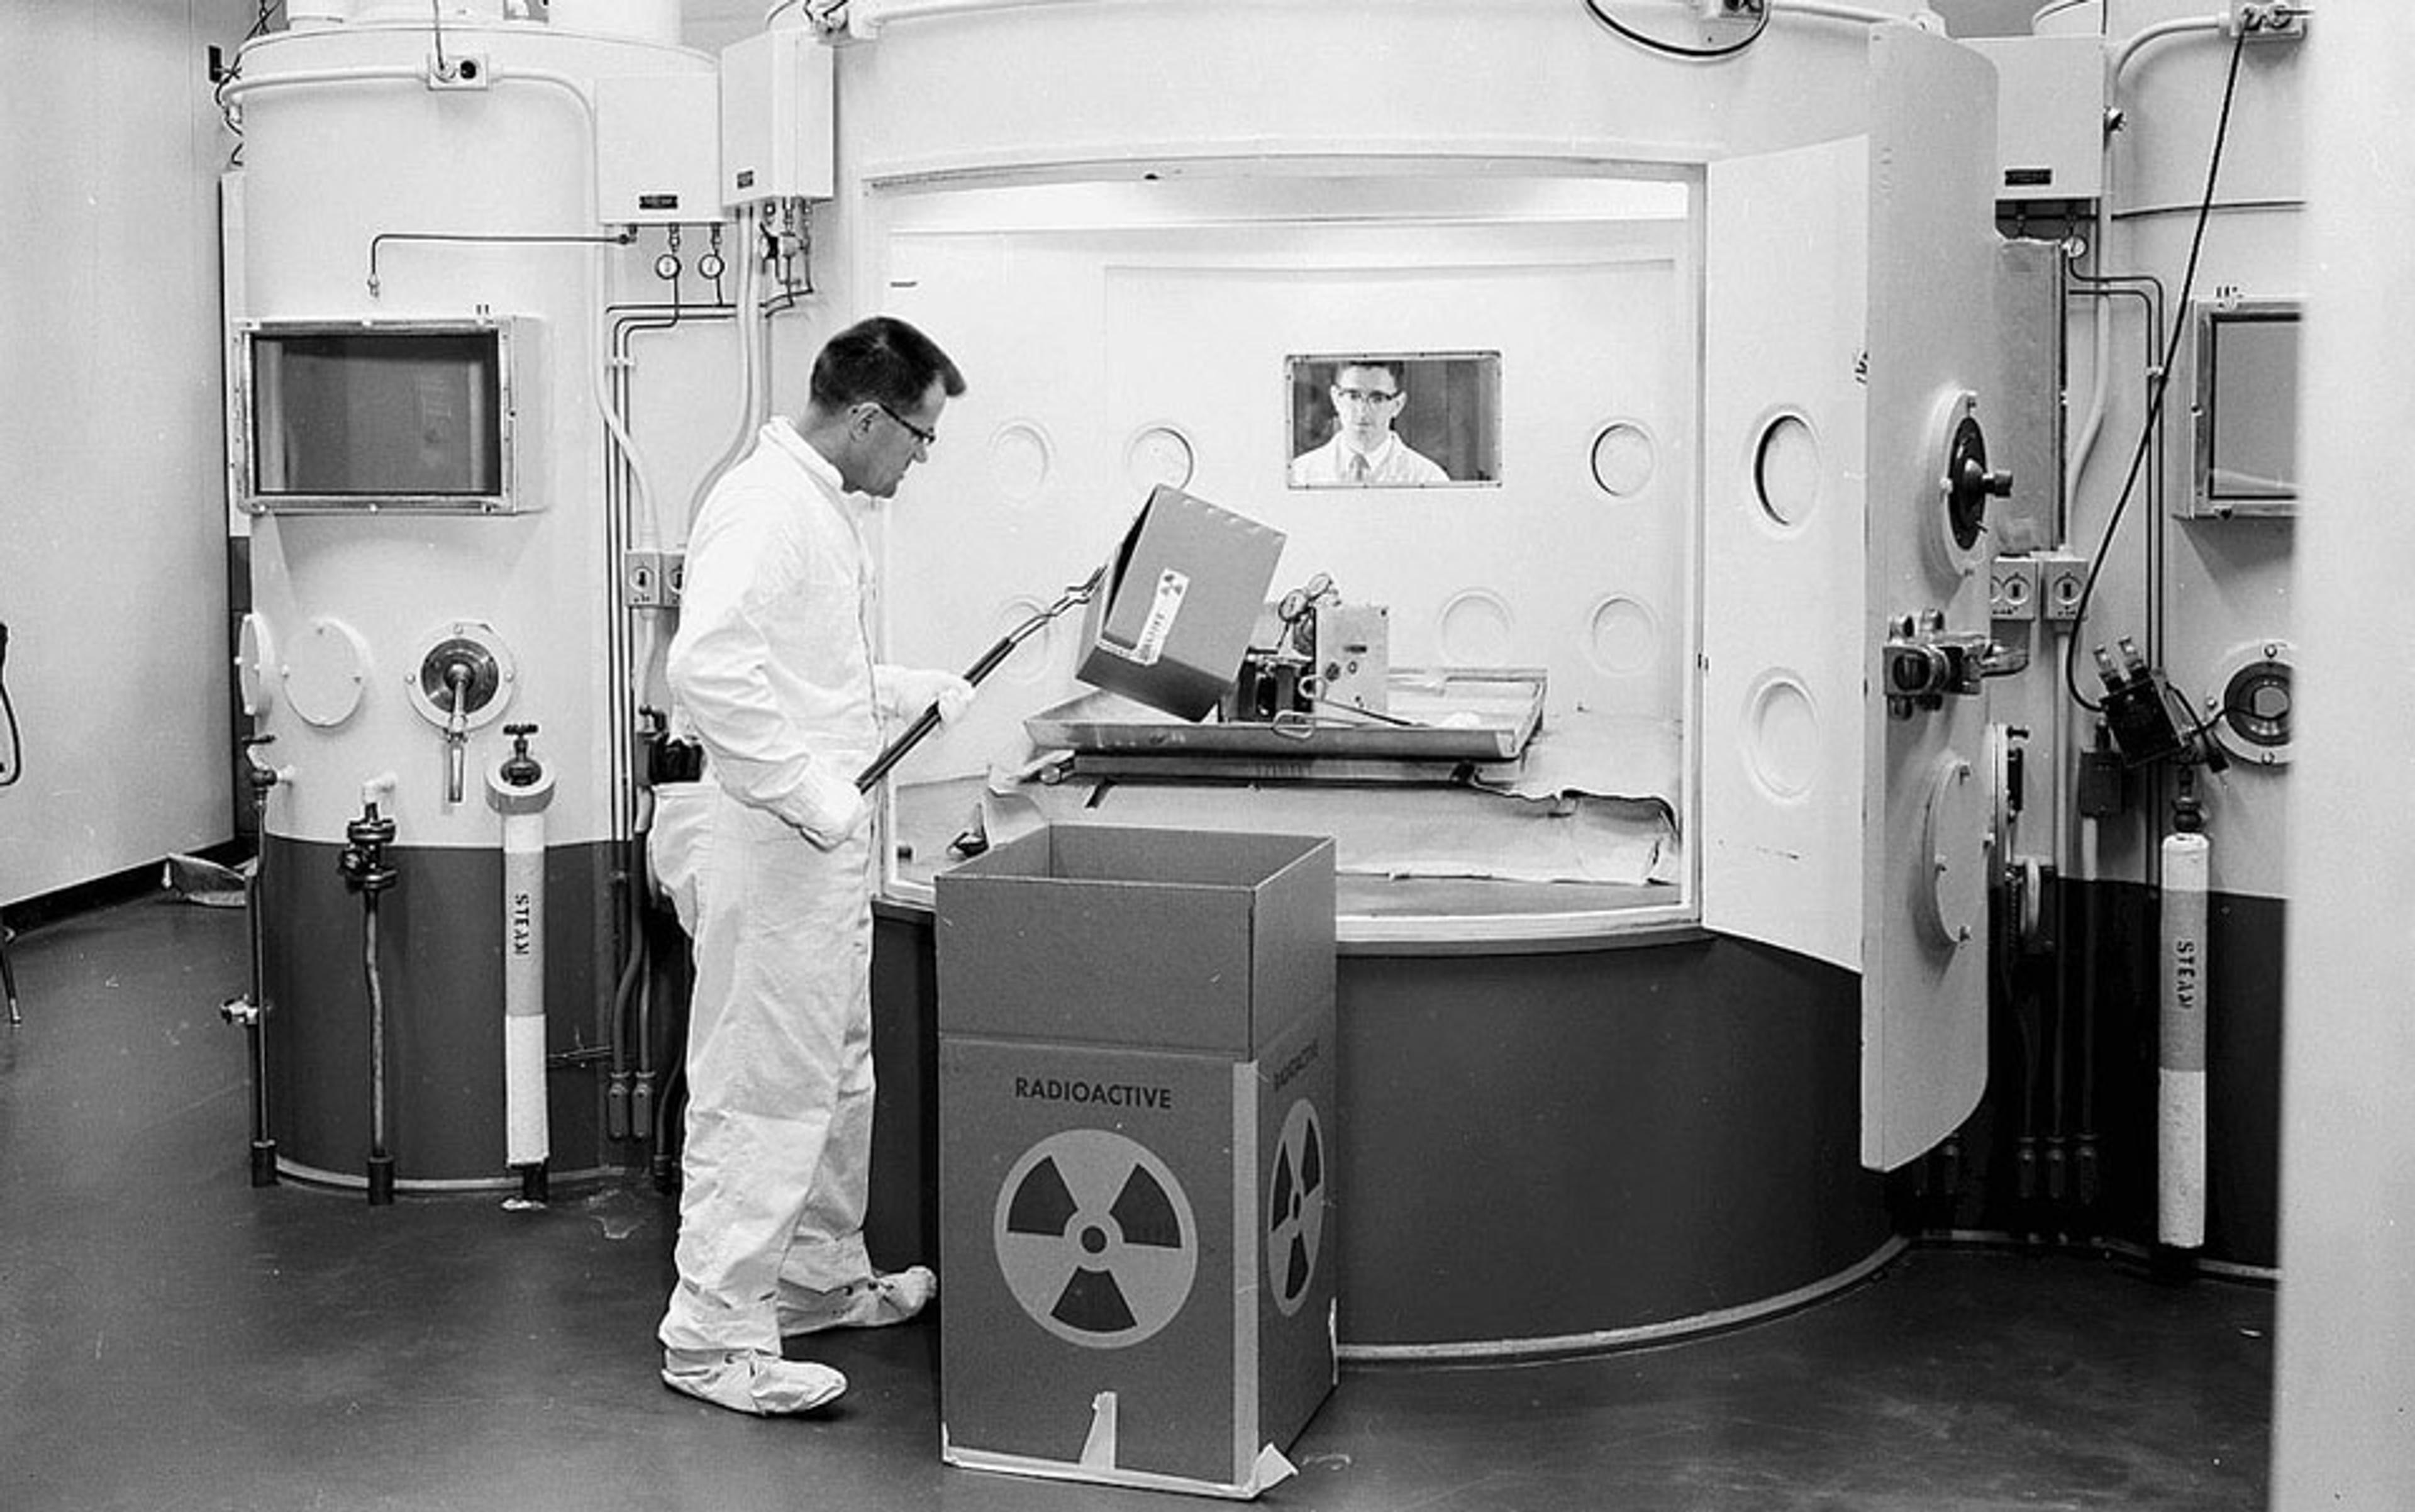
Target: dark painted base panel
{"type": "Point", "coordinates": [1536, 1145]}
{"type": "Point", "coordinates": [2064, 1144]}
{"type": "Point", "coordinates": [1530, 1147]}
{"type": "Point", "coordinates": [441, 942]}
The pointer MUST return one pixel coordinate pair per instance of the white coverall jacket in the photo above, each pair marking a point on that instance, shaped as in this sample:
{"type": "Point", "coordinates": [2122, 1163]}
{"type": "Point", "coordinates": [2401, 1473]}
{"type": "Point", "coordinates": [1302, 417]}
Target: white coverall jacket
{"type": "Point", "coordinates": [769, 867]}
{"type": "Point", "coordinates": [1394, 464]}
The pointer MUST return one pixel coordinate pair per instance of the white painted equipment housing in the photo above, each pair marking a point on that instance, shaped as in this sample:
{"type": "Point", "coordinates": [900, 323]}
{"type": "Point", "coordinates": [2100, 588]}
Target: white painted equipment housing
{"type": "Point", "coordinates": [1120, 219]}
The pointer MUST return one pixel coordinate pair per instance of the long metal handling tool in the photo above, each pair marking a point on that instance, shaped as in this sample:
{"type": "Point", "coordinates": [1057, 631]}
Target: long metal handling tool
{"type": "Point", "coordinates": [928, 720]}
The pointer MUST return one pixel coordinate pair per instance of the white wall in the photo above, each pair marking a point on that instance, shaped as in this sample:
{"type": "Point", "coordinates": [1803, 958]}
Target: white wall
{"type": "Point", "coordinates": [1180, 311]}
{"type": "Point", "coordinates": [113, 561]}
{"type": "Point", "coordinates": [2345, 1374]}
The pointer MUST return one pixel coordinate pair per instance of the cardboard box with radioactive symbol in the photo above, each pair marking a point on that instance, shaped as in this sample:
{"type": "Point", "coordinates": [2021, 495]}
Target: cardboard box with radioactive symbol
{"type": "Point", "coordinates": [1136, 1082]}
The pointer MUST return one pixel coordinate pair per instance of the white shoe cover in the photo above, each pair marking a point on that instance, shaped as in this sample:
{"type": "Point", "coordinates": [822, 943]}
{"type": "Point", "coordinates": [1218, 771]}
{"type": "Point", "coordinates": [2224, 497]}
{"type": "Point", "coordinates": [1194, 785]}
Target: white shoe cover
{"type": "Point", "coordinates": [875, 1302]}
{"type": "Point", "coordinates": [749, 1381]}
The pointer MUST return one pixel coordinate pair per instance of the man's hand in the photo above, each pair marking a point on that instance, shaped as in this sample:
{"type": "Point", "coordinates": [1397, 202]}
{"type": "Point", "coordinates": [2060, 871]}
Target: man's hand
{"type": "Point", "coordinates": [911, 690]}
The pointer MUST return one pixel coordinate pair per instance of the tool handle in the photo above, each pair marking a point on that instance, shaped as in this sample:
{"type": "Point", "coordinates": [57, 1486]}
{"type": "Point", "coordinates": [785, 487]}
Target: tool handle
{"type": "Point", "coordinates": [991, 660]}
{"type": "Point", "coordinates": [894, 752]}
{"type": "Point", "coordinates": [928, 720]}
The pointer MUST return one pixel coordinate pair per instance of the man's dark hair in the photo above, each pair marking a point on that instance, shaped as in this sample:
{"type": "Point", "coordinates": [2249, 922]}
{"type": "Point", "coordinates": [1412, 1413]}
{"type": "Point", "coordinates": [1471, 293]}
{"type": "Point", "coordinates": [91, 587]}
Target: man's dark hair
{"type": "Point", "coordinates": [884, 361]}
{"type": "Point", "coordinates": [1389, 367]}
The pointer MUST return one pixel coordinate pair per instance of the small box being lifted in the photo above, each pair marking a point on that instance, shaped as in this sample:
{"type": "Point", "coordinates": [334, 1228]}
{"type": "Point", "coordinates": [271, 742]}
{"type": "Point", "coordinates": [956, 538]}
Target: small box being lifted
{"type": "Point", "coordinates": [1182, 595]}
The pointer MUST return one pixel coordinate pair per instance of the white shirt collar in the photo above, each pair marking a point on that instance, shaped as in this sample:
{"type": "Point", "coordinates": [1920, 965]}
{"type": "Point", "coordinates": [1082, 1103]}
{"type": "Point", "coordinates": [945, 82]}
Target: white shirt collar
{"type": "Point", "coordinates": [779, 432]}
{"type": "Point", "coordinates": [1375, 459]}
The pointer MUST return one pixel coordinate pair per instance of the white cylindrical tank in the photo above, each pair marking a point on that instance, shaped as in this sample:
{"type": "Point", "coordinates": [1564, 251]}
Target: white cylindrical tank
{"type": "Point", "coordinates": [643, 21]}
{"type": "Point", "coordinates": [419, 13]}
{"type": "Point", "coordinates": [376, 204]}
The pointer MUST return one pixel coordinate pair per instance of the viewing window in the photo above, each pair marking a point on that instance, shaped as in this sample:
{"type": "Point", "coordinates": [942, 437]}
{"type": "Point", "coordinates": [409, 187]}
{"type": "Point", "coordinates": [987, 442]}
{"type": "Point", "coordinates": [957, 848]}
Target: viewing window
{"type": "Point", "coordinates": [2246, 408]}
{"type": "Point", "coordinates": [376, 415]}
{"type": "Point", "coordinates": [1394, 420]}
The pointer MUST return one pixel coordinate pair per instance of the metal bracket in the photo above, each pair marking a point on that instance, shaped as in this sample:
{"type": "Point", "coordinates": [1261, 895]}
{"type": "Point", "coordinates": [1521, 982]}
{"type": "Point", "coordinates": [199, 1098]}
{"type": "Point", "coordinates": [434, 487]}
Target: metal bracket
{"type": "Point", "coordinates": [1926, 664]}
{"type": "Point", "coordinates": [2260, 22]}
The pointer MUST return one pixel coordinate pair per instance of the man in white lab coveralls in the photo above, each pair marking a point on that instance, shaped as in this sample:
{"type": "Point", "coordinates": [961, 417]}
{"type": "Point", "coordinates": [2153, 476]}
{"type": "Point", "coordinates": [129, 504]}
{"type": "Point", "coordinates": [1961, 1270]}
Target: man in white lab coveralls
{"type": "Point", "coordinates": [769, 862]}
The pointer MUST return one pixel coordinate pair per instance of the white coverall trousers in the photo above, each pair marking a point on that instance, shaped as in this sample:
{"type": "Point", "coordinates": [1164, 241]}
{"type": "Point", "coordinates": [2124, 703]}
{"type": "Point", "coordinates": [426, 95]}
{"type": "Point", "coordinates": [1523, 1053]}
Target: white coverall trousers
{"type": "Point", "coordinates": [779, 1064]}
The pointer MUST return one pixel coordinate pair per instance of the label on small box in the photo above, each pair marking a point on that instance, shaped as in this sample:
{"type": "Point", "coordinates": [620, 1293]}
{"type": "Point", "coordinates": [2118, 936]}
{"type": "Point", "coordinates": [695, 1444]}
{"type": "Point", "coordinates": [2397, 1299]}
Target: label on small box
{"type": "Point", "coordinates": [1162, 611]}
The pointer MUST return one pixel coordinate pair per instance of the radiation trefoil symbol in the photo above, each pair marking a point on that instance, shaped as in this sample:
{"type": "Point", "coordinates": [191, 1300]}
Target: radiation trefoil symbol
{"type": "Point", "coordinates": [1095, 1238]}
{"type": "Point", "coordinates": [1295, 1207]}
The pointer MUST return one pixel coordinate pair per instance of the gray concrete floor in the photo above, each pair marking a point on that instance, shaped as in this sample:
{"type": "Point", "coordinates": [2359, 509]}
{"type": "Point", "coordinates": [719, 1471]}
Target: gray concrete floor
{"type": "Point", "coordinates": [172, 1338]}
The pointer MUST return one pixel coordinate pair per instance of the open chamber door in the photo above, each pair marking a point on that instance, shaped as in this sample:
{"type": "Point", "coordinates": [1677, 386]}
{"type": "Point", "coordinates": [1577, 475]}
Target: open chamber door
{"type": "Point", "coordinates": [1849, 320]}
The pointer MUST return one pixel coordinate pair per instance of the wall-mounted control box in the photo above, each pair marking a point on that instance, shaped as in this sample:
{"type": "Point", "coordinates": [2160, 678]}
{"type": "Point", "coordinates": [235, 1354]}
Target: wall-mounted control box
{"type": "Point", "coordinates": [778, 139]}
{"type": "Point", "coordinates": [2049, 116]}
{"type": "Point", "coordinates": [657, 149]}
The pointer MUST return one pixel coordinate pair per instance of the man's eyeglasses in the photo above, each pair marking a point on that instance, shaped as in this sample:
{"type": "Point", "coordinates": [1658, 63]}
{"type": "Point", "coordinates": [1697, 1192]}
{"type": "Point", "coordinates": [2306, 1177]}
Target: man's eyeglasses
{"type": "Point", "coordinates": [927, 439]}
{"type": "Point", "coordinates": [1365, 396]}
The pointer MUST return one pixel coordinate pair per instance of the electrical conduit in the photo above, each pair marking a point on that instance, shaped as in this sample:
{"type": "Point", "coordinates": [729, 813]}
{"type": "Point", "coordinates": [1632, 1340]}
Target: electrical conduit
{"type": "Point", "coordinates": [2099, 381]}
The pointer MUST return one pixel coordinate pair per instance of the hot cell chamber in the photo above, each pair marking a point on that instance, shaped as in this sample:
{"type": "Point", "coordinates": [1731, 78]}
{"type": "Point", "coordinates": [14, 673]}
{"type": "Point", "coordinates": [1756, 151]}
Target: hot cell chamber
{"type": "Point", "coordinates": [1712, 943]}
{"type": "Point", "coordinates": [1644, 1003]}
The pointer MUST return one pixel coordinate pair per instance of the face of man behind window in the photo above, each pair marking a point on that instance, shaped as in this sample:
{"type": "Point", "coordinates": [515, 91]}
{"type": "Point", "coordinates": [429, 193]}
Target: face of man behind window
{"type": "Point", "coordinates": [1366, 399]}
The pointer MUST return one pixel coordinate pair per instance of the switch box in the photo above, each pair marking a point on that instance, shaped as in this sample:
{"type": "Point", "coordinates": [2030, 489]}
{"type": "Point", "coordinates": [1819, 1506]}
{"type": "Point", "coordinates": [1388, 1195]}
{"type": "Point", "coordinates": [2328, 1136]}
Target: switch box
{"type": "Point", "coordinates": [778, 138]}
{"type": "Point", "coordinates": [2049, 116]}
{"type": "Point", "coordinates": [657, 149]}
{"type": "Point", "coordinates": [652, 579]}
{"type": "Point", "coordinates": [2012, 589]}
{"type": "Point", "coordinates": [2063, 578]}
{"type": "Point", "coordinates": [1354, 656]}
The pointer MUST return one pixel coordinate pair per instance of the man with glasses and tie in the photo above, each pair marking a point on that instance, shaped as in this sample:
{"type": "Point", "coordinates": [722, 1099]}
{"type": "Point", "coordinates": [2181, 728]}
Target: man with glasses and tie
{"type": "Point", "coordinates": [1362, 451]}
{"type": "Point", "coordinates": [768, 864]}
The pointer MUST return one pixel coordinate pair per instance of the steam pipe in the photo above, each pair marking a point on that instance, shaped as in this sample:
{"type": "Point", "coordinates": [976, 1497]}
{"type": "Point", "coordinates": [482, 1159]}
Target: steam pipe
{"type": "Point", "coordinates": [2087, 908]}
{"type": "Point", "coordinates": [381, 1164]}
{"type": "Point", "coordinates": [366, 870]}
{"type": "Point", "coordinates": [264, 1144]}
{"type": "Point", "coordinates": [520, 788]}
{"type": "Point", "coordinates": [2180, 1077]}
{"type": "Point", "coordinates": [638, 978]}
{"type": "Point", "coordinates": [248, 1010]}
{"type": "Point", "coordinates": [617, 1124]}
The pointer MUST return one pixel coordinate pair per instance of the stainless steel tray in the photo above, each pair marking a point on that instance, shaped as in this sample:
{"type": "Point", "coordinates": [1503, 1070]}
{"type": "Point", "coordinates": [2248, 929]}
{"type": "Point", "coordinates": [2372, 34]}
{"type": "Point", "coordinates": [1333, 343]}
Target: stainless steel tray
{"type": "Point", "coordinates": [1442, 714]}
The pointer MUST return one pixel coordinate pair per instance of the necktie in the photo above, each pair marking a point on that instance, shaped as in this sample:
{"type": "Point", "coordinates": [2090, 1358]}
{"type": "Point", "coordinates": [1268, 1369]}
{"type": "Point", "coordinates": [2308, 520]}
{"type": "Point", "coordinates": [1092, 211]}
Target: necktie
{"type": "Point", "coordinates": [1357, 467]}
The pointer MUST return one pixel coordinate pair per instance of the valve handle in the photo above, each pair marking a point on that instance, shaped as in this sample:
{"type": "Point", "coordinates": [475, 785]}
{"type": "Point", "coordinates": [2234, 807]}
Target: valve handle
{"type": "Point", "coordinates": [520, 770]}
